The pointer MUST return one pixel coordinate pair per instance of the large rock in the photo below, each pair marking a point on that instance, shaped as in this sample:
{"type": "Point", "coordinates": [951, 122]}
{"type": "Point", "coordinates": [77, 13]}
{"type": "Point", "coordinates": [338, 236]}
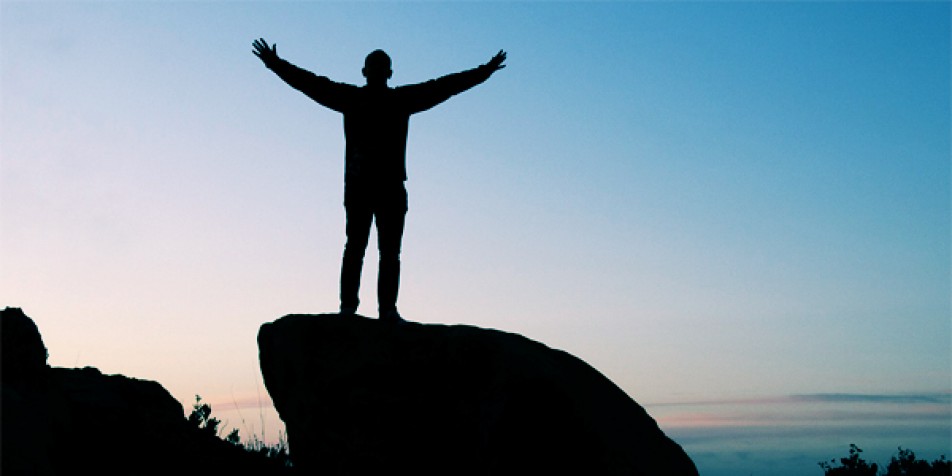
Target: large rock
{"type": "Point", "coordinates": [24, 355]}
{"type": "Point", "coordinates": [361, 397]}
{"type": "Point", "coordinates": [59, 421]}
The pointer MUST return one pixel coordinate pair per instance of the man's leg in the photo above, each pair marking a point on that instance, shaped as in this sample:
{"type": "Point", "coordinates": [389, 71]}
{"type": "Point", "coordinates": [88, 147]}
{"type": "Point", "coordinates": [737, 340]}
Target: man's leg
{"type": "Point", "coordinates": [390, 223]}
{"type": "Point", "coordinates": [359, 219]}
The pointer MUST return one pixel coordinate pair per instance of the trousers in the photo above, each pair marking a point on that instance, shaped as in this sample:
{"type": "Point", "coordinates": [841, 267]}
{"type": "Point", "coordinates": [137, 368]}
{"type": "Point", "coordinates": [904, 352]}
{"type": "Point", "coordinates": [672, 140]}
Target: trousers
{"type": "Point", "coordinates": [365, 204]}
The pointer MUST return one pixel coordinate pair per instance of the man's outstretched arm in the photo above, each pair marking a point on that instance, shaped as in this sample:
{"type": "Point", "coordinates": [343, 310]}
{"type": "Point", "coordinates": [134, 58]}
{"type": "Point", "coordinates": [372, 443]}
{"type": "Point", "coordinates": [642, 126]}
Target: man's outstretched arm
{"type": "Point", "coordinates": [319, 88]}
{"type": "Point", "coordinates": [426, 95]}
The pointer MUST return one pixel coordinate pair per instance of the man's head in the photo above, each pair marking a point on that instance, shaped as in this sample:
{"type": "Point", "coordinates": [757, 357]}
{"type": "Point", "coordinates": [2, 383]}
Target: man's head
{"type": "Point", "coordinates": [377, 67]}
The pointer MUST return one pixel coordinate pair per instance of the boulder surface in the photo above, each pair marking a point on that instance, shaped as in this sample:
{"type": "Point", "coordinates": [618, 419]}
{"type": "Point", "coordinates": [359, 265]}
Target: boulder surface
{"type": "Point", "coordinates": [364, 397]}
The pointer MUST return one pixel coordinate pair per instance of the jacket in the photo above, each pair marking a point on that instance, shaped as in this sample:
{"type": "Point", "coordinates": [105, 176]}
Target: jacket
{"type": "Point", "coordinates": [376, 118]}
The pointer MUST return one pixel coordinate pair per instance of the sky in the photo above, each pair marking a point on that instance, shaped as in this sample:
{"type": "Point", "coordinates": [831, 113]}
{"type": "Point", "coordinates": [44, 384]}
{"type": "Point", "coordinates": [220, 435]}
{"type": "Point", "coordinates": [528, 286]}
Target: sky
{"type": "Point", "coordinates": [737, 211]}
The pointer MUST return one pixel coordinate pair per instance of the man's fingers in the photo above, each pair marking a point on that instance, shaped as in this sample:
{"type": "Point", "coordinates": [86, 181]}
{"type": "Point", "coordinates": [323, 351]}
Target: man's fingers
{"type": "Point", "coordinates": [263, 50]}
{"type": "Point", "coordinates": [498, 59]}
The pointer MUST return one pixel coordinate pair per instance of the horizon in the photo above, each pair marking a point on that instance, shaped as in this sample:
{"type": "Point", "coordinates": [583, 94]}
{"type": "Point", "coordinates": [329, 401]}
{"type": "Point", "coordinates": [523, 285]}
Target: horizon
{"type": "Point", "coordinates": [737, 212]}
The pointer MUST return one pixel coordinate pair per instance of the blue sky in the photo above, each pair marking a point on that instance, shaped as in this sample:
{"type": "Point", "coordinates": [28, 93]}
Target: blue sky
{"type": "Point", "coordinates": [709, 202]}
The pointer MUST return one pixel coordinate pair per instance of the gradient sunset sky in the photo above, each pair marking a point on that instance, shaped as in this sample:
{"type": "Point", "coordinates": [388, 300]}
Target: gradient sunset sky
{"type": "Point", "coordinates": [737, 211]}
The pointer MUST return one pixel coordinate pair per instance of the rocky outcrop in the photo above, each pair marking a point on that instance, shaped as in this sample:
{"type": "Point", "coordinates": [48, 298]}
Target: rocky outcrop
{"type": "Point", "coordinates": [361, 397]}
{"type": "Point", "coordinates": [24, 355]}
{"type": "Point", "coordinates": [59, 421]}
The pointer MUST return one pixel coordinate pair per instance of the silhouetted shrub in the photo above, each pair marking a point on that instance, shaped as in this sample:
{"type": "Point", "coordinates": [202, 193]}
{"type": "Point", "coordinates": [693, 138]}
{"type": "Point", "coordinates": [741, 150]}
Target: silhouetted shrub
{"type": "Point", "coordinates": [201, 418]}
{"type": "Point", "coordinates": [906, 464]}
{"type": "Point", "coordinates": [902, 464]}
{"type": "Point", "coordinates": [233, 437]}
{"type": "Point", "coordinates": [852, 465]}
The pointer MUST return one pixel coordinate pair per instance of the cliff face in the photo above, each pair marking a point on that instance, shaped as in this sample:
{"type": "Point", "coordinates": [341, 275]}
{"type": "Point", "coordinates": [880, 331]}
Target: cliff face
{"type": "Point", "coordinates": [61, 421]}
{"type": "Point", "coordinates": [361, 397]}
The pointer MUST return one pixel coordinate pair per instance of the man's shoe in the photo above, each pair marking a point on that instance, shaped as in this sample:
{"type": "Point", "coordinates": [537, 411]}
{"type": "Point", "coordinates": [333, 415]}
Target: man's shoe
{"type": "Point", "coordinates": [391, 315]}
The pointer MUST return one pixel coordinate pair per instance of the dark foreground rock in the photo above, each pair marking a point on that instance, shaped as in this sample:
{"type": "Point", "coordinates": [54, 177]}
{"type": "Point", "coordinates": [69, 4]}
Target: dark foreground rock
{"type": "Point", "coordinates": [58, 421]}
{"type": "Point", "coordinates": [361, 397]}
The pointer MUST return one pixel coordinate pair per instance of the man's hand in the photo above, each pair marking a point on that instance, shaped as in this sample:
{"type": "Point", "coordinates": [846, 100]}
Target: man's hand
{"type": "Point", "coordinates": [267, 54]}
{"type": "Point", "coordinates": [496, 63]}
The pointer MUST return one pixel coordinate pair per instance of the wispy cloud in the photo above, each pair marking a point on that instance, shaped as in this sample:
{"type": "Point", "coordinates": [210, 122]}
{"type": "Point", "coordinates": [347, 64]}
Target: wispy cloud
{"type": "Point", "coordinates": [815, 411]}
{"type": "Point", "coordinates": [899, 399]}
{"type": "Point", "coordinates": [936, 398]}
{"type": "Point", "coordinates": [241, 403]}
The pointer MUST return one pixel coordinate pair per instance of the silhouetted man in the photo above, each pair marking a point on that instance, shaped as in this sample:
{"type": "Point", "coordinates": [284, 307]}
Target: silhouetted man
{"type": "Point", "coordinates": [376, 118]}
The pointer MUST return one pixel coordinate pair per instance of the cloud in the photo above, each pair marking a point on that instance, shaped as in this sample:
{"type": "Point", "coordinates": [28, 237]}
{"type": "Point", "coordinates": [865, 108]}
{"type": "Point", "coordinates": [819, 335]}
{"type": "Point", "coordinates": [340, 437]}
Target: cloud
{"type": "Point", "coordinates": [815, 411]}
{"type": "Point", "coordinates": [898, 398]}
